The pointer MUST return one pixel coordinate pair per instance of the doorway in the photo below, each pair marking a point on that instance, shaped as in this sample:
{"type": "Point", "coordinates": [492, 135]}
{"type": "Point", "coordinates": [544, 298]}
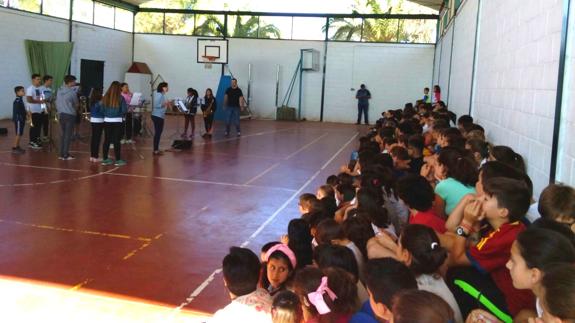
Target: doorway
{"type": "Point", "coordinates": [91, 75]}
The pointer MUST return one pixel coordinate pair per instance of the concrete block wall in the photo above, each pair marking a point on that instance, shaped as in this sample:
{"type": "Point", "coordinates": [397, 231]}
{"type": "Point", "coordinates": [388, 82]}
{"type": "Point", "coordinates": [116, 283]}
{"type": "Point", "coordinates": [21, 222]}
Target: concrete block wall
{"type": "Point", "coordinates": [462, 64]}
{"type": "Point", "coordinates": [90, 42]}
{"type": "Point", "coordinates": [516, 75]}
{"type": "Point", "coordinates": [394, 74]}
{"type": "Point", "coordinates": [348, 65]}
{"type": "Point", "coordinates": [566, 157]}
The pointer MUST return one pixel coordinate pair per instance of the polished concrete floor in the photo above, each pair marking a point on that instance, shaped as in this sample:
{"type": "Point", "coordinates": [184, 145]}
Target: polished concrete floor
{"type": "Point", "coordinates": [158, 228]}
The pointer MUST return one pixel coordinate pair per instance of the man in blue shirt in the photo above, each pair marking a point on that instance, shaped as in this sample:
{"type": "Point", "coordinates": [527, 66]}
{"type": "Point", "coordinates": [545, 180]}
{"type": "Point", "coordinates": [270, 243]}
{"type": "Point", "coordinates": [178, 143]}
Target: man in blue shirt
{"type": "Point", "coordinates": [363, 95]}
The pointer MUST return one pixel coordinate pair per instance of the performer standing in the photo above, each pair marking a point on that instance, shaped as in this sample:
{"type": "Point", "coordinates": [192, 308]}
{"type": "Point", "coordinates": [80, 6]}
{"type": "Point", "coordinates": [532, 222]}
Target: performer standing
{"type": "Point", "coordinates": [209, 108]}
{"type": "Point", "coordinates": [97, 123]}
{"type": "Point", "coordinates": [363, 95]}
{"type": "Point", "coordinates": [161, 103]}
{"type": "Point", "coordinates": [233, 102]}
{"type": "Point", "coordinates": [128, 123]}
{"type": "Point", "coordinates": [192, 105]}
{"type": "Point", "coordinates": [115, 108]}
{"type": "Point", "coordinates": [34, 103]}
{"type": "Point", "coordinates": [67, 104]}
{"type": "Point", "coordinates": [46, 89]}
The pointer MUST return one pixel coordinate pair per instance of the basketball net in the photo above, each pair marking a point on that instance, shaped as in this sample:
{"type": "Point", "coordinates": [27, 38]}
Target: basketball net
{"type": "Point", "coordinates": [209, 60]}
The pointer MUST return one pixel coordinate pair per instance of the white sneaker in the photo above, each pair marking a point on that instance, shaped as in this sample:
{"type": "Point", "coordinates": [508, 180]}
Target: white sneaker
{"type": "Point", "coordinates": [111, 146]}
{"type": "Point", "coordinates": [123, 141]}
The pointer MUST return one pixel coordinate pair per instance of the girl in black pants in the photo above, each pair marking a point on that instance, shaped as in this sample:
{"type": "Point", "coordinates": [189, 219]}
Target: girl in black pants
{"type": "Point", "coordinates": [115, 108]}
{"type": "Point", "coordinates": [97, 122]}
{"type": "Point", "coordinates": [209, 108]}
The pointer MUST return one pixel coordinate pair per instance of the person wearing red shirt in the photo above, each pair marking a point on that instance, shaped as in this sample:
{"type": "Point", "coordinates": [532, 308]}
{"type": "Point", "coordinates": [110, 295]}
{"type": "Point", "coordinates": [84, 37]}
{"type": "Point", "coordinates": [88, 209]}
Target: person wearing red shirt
{"type": "Point", "coordinates": [503, 205]}
{"type": "Point", "coordinates": [416, 192]}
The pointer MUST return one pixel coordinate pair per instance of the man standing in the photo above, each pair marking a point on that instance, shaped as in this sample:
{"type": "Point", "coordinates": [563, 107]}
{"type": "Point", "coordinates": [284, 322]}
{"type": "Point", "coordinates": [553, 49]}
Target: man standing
{"type": "Point", "coordinates": [362, 97]}
{"type": "Point", "coordinates": [67, 105]}
{"type": "Point", "coordinates": [47, 96]}
{"type": "Point", "coordinates": [233, 102]}
{"type": "Point", "coordinates": [34, 103]}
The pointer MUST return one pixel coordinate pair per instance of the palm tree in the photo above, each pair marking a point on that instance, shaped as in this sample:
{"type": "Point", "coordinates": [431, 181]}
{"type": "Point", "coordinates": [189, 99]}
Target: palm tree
{"type": "Point", "coordinates": [213, 26]}
{"type": "Point", "coordinates": [371, 30]}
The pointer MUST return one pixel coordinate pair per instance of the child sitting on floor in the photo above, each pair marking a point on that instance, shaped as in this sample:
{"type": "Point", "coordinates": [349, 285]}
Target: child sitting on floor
{"type": "Point", "coordinates": [503, 205]}
{"type": "Point", "coordinates": [278, 268]}
{"type": "Point", "coordinates": [241, 271]}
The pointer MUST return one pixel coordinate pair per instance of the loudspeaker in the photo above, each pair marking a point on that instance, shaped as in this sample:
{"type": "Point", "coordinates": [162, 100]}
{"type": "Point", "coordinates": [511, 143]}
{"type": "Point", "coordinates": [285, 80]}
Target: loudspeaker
{"type": "Point", "coordinates": [182, 144]}
{"type": "Point", "coordinates": [3, 131]}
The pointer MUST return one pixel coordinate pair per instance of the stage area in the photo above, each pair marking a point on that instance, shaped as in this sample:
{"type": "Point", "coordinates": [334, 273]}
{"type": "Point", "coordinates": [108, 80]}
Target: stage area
{"type": "Point", "coordinates": [158, 228]}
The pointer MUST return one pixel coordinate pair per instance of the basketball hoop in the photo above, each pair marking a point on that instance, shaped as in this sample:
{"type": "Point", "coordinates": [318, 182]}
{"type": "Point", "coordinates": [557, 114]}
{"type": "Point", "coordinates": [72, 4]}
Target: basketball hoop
{"type": "Point", "coordinates": [209, 60]}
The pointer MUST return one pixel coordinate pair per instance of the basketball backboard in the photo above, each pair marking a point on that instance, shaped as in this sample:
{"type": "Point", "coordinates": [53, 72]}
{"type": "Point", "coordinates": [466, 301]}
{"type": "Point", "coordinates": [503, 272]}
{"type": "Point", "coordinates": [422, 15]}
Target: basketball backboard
{"type": "Point", "coordinates": [214, 51]}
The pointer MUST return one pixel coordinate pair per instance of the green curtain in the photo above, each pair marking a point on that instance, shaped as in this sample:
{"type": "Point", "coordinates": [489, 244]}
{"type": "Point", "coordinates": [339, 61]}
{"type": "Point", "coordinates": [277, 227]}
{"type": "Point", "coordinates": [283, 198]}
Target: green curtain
{"type": "Point", "coordinates": [52, 58]}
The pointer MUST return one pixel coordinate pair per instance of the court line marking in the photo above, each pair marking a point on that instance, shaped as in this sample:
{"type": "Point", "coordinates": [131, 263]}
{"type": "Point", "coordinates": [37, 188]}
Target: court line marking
{"type": "Point", "coordinates": [88, 232]}
{"type": "Point", "coordinates": [305, 147]}
{"type": "Point", "coordinates": [43, 167]}
{"type": "Point", "coordinates": [255, 178]}
{"type": "Point", "coordinates": [260, 175]}
{"type": "Point", "coordinates": [183, 180]}
{"type": "Point", "coordinates": [137, 250]}
{"type": "Point", "coordinates": [211, 277]}
{"type": "Point", "coordinates": [61, 180]}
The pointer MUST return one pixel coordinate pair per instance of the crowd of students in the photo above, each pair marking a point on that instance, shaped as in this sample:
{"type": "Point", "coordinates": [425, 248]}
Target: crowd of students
{"type": "Point", "coordinates": [427, 223]}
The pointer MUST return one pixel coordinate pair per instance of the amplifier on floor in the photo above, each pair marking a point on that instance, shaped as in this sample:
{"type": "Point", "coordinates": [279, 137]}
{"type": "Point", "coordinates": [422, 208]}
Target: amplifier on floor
{"type": "Point", "coordinates": [3, 131]}
{"type": "Point", "coordinates": [182, 144]}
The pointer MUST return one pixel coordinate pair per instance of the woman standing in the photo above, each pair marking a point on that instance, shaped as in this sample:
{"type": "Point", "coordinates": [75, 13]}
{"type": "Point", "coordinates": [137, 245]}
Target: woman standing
{"type": "Point", "coordinates": [115, 109]}
{"type": "Point", "coordinates": [209, 108]}
{"type": "Point", "coordinates": [161, 103]}
{"type": "Point", "coordinates": [97, 122]}
{"type": "Point", "coordinates": [127, 130]}
{"type": "Point", "coordinates": [192, 105]}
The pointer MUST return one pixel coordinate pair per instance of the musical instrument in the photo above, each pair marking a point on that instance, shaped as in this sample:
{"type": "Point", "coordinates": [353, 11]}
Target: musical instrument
{"type": "Point", "coordinates": [84, 108]}
{"type": "Point", "coordinates": [208, 111]}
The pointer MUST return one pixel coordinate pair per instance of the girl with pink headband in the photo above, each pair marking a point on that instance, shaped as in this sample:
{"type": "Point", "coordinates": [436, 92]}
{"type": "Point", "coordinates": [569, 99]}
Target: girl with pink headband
{"type": "Point", "coordinates": [278, 266]}
{"type": "Point", "coordinates": [328, 296]}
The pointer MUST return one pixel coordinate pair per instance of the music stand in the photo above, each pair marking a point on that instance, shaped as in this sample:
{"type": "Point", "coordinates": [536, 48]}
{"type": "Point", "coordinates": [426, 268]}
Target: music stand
{"type": "Point", "coordinates": [182, 109]}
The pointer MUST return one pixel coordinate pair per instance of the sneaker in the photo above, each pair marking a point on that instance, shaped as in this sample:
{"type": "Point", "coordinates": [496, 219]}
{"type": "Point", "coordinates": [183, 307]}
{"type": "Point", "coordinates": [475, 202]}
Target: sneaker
{"type": "Point", "coordinates": [158, 152]}
{"type": "Point", "coordinates": [34, 145]}
{"type": "Point", "coordinates": [61, 158]}
{"type": "Point", "coordinates": [107, 162]}
{"type": "Point", "coordinates": [130, 141]}
{"type": "Point", "coordinates": [123, 141]}
{"type": "Point", "coordinates": [239, 134]}
{"type": "Point", "coordinates": [111, 146]}
{"type": "Point", "coordinates": [227, 134]}
{"type": "Point", "coordinates": [120, 162]}
{"type": "Point", "coordinates": [70, 157]}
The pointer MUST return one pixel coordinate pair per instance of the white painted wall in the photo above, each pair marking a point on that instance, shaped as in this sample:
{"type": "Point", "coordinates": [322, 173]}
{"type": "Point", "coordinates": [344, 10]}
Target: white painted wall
{"type": "Point", "coordinates": [516, 75]}
{"type": "Point", "coordinates": [15, 28]}
{"type": "Point", "coordinates": [102, 44]}
{"type": "Point", "coordinates": [462, 64]}
{"type": "Point", "coordinates": [566, 157]}
{"type": "Point", "coordinates": [395, 73]}
{"type": "Point", "coordinates": [444, 67]}
{"type": "Point", "coordinates": [90, 42]}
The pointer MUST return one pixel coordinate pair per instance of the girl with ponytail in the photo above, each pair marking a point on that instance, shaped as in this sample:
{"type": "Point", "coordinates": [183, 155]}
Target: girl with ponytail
{"type": "Point", "coordinates": [419, 248]}
{"type": "Point", "coordinates": [457, 174]}
{"type": "Point", "coordinates": [507, 156]}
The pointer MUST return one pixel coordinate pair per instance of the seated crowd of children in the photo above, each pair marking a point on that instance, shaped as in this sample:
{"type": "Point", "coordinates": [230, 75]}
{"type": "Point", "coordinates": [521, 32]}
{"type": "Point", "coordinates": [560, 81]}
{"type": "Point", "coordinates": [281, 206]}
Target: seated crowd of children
{"type": "Point", "coordinates": [427, 223]}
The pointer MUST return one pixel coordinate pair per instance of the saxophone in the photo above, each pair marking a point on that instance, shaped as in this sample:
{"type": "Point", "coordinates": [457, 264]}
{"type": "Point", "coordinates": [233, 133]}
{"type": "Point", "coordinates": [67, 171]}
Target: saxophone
{"type": "Point", "coordinates": [84, 108]}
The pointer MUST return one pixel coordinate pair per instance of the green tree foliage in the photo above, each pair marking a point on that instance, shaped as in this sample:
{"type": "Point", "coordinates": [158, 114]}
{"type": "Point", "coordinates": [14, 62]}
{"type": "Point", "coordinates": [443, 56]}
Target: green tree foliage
{"type": "Point", "coordinates": [251, 28]}
{"type": "Point", "coordinates": [380, 30]}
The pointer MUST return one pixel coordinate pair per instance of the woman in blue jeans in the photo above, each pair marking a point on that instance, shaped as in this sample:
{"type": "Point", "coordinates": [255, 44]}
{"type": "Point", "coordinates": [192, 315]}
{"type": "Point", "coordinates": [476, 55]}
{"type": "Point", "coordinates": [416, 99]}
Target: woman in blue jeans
{"type": "Point", "coordinates": [161, 103]}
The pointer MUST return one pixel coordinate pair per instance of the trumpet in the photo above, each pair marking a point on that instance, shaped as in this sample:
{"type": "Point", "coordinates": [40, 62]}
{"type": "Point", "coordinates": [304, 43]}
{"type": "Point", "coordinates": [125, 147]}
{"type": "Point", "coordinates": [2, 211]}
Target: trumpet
{"type": "Point", "coordinates": [84, 108]}
{"type": "Point", "coordinates": [30, 121]}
